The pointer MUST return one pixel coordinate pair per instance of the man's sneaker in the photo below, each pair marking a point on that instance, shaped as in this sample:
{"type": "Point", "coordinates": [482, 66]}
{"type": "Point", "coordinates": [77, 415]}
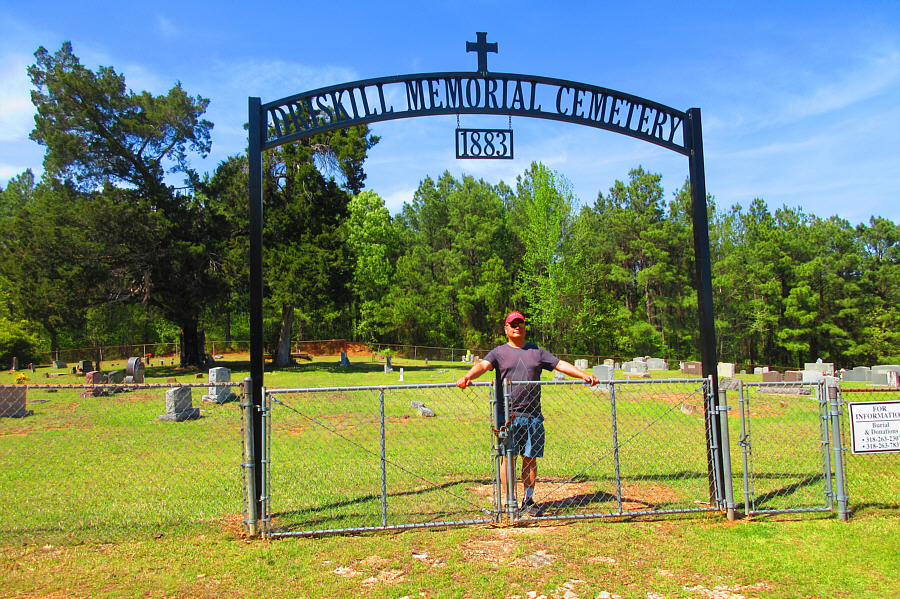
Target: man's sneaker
{"type": "Point", "coordinates": [530, 508]}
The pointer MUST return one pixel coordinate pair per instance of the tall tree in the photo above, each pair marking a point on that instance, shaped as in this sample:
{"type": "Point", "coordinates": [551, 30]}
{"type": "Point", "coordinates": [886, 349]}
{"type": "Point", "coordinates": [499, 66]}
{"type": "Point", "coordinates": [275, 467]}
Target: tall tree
{"type": "Point", "coordinates": [98, 133]}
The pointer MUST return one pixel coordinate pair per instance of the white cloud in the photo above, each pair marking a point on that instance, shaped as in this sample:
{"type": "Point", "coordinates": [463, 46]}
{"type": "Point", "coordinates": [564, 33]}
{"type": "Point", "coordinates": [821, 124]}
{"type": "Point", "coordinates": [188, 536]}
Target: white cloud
{"type": "Point", "coordinates": [16, 110]}
{"type": "Point", "coordinates": [167, 28]}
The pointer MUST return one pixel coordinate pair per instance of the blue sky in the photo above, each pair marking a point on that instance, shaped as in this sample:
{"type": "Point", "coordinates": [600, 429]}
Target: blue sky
{"type": "Point", "coordinates": [800, 101]}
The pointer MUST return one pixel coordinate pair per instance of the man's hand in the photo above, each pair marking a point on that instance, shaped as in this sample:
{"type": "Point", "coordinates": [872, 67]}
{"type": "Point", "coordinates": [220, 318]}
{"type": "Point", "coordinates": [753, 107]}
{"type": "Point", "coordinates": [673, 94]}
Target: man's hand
{"type": "Point", "coordinates": [591, 380]}
{"type": "Point", "coordinates": [463, 382]}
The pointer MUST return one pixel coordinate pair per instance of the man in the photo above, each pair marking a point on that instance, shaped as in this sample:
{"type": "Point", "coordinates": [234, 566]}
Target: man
{"type": "Point", "coordinates": [517, 360]}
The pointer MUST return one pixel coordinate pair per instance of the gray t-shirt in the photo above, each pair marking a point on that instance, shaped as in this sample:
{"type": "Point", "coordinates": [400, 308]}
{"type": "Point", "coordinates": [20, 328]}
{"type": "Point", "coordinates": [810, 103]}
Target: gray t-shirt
{"type": "Point", "coordinates": [522, 364]}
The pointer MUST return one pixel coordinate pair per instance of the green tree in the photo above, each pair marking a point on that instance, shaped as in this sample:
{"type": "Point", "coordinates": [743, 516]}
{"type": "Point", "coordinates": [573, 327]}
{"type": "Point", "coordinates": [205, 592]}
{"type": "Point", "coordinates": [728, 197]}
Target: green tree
{"type": "Point", "coordinates": [100, 135]}
{"type": "Point", "coordinates": [373, 243]}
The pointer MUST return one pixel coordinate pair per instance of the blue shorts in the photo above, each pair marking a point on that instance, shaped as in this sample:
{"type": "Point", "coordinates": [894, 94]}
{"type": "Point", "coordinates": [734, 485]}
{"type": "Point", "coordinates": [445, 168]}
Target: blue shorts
{"type": "Point", "coordinates": [527, 436]}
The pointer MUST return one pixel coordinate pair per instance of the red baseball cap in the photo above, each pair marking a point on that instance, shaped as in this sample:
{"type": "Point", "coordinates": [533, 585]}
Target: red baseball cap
{"type": "Point", "coordinates": [514, 316]}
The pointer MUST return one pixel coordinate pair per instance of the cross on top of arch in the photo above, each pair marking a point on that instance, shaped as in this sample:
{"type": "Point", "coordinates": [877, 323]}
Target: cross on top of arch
{"type": "Point", "coordinates": [482, 47]}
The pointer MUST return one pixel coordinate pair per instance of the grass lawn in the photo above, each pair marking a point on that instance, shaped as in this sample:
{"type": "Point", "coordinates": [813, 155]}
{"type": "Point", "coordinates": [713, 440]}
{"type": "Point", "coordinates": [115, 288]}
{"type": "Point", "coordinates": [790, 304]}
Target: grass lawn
{"type": "Point", "coordinates": [102, 499]}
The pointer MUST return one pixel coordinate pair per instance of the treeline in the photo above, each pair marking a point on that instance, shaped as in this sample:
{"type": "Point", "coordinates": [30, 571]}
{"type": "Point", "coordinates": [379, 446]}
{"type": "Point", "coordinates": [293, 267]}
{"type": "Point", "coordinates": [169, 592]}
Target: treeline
{"type": "Point", "coordinates": [102, 251]}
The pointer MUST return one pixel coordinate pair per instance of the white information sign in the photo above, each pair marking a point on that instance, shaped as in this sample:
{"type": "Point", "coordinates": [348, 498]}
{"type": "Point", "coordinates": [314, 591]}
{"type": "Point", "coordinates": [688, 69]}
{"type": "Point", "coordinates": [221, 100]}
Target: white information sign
{"type": "Point", "coordinates": [875, 426]}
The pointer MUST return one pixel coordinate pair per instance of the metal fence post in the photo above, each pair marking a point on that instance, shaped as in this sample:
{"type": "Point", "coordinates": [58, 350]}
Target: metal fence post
{"type": "Point", "coordinates": [511, 505]}
{"type": "Point", "coordinates": [725, 451]}
{"type": "Point", "coordinates": [383, 460]}
{"type": "Point", "coordinates": [744, 442]}
{"type": "Point", "coordinates": [713, 442]}
{"type": "Point", "coordinates": [250, 460]}
{"type": "Point", "coordinates": [615, 435]}
{"type": "Point", "coordinates": [496, 453]}
{"type": "Point", "coordinates": [835, 403]}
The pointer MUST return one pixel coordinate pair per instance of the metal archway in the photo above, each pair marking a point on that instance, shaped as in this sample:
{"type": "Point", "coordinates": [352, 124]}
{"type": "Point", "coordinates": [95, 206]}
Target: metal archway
{"type": "Point", "coordinates": [430, 94]}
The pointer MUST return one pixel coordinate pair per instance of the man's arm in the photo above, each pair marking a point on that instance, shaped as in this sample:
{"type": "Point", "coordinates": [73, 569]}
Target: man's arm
{"type": "Point", "coordinates": [569, 369]}
{"type": "Point", "coordinates": [475, 371]}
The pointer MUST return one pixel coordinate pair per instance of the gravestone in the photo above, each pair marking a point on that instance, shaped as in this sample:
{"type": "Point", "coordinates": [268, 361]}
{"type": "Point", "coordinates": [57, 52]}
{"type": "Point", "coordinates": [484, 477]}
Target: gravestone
{"type": "Point", "coordinates": [604, 373]}
{"type": "Point", "coordinates": [725, 369]}
{"type": "Point", "coordinates": [886, 368]}
{"type": "Point", "coordinates": [344, 361]}
{"type": "Point", "coordinates": [220, 393]}
{"type": "Point", "coordinates": [93, 377]}
{"type": "Point", "coordinates": [860, 374]}
{"type": "Point", "coordinates": [59, 364]}
{"type": "Point", "coordinates": [558, 376]}
{"type": "Point", "coordinates": [695, 368]}
{"type": "Point", "coordinates": [179, 406]}
{"type": "Point", "coordinates": [635, 367]}
{"type": "Point", "coordinates": [134, 371]}
{"type": "Point", "coordinates": [401, 375]}
{"type": "Point", "coordinates": [813, 376]}
{"type": "Point", "coordinates": [885, 378]}
{"type": "Point", "coordinates": [793, 376]}
{"type": "Point", "coordinates": [387, 365]}
{"type": "Point", "coordinates": [730, 384]}
{"type": "Point", "coordinates": [773, 376]}
{"type": "Point", "coordinates": [15, 364]}
{"type": "Point", "coordinates": [609, 362]}
{"type": "Point", "coordinates": [657, 364]}
{"type": "Point", "coordinates": [12, 402]}
{"type": "Point", "coordinates": [581, 364]}
{"type": "Point", "coordinates": [826, 368]}
{"type": "Point", "coordinates": [617, 366]}
{"type": "Point", "coordinates": [760, 369]}
{"type": "Point", "coordinates": [85, 366]}
{"type": "Point", "coordinates": [116, 377]}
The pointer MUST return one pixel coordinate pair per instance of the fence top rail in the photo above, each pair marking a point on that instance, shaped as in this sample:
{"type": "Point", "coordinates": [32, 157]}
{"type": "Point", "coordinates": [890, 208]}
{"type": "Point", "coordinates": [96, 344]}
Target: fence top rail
{"type": "Point", "coordinates": [781, 384]}
{"type": "Point", "coordinates": [372, 387]}
{"type": "Point", "coordinates": [871, 390]}
{"type": "Point", "coordinates": [129, 386]}
{"type": "Point", "coordinates": [616, 382]}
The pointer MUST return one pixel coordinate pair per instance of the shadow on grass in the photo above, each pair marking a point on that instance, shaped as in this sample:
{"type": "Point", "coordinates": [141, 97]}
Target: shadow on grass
{"type": "Point", "coordinates": [376, 497]}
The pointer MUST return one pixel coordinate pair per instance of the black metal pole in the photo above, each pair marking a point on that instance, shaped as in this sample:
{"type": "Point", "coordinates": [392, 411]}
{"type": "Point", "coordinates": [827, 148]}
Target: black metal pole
{"type": "Point", "coordinates": [257, 355]}
{"type": "Point", "coordinates": [693, 141]}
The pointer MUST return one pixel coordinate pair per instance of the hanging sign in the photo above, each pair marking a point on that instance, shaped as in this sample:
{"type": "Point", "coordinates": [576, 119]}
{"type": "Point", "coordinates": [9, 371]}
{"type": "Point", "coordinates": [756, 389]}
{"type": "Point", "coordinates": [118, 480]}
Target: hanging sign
{"type": "Point", "coordinates": [484, 143]}
{"type": "Point", "coordinates": [875, 426]}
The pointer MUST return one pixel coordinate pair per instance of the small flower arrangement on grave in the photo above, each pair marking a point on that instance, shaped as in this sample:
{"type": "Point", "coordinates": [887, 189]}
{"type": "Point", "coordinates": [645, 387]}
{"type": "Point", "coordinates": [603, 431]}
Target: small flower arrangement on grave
{"type": "Point", "coordinates": [21, 379]}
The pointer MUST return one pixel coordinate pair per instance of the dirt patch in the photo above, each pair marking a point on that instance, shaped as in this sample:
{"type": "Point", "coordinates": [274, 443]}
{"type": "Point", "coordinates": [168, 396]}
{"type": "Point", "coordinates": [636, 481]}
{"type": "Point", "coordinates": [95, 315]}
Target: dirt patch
{"type": "Point", "coordinates": [637, 497]}
{"type": "Point", "coordinates": [492, 551]}
{"type": "Point", "coordinates": [562, 493]}
{"type": "Point", "coordinates": [333, 347]}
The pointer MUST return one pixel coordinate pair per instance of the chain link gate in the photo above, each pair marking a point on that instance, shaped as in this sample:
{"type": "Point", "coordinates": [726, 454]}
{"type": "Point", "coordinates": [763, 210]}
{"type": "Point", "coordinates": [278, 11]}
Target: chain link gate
{"type": "Point", "coordinates": [349, 459]}
{"type": "Point", "coordinates": [791, 450]}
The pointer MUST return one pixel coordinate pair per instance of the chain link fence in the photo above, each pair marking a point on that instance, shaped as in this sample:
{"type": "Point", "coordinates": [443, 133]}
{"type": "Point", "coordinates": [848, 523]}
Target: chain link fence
{"type": "Point", "coordinates": [359, 458]}
{"type": "Point", "coordinates": [872, 479]}
{"type": "Point", "coordinates": [620, 448]}
{"type": "Point", "coordinates": [355, 458]}
{"type": "Point", "coordinates": [787, 445]}
{"type": "Point", "coordinates": [96, 462]}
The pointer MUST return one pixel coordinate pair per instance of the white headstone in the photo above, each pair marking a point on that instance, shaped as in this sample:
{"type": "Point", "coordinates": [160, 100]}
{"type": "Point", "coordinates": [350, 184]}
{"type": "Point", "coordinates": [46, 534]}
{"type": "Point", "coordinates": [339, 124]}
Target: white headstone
{"type": "Point", "coordinates": [219, 393]}
{"type": "Point", "coordinates": [826, 368]}
{"type": "Point", "coordinates": [725, 369]}
{"type": "Point", "coordinates": [604, 373]}
{"type": "Point", "coordinates": [179, 406]}
{"type": "Point", "coordinates": [860, 374]}
{"type": "Point", "coordinates": [657, 364]}
{"type": "Point", "coordinates": [581, 364]}
{"type": "Point", "coordinates": [558, 376]}
{"type": "Point", "coordinates": [401, 375]}
{"type": "Point", "coordinates": [813, 376]}
{"type": "Point", "coordinates": [635, 367]}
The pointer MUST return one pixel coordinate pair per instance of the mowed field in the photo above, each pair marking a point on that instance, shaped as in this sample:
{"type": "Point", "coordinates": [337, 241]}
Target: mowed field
{"type": "Point", "coordinates": [102, 499]}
